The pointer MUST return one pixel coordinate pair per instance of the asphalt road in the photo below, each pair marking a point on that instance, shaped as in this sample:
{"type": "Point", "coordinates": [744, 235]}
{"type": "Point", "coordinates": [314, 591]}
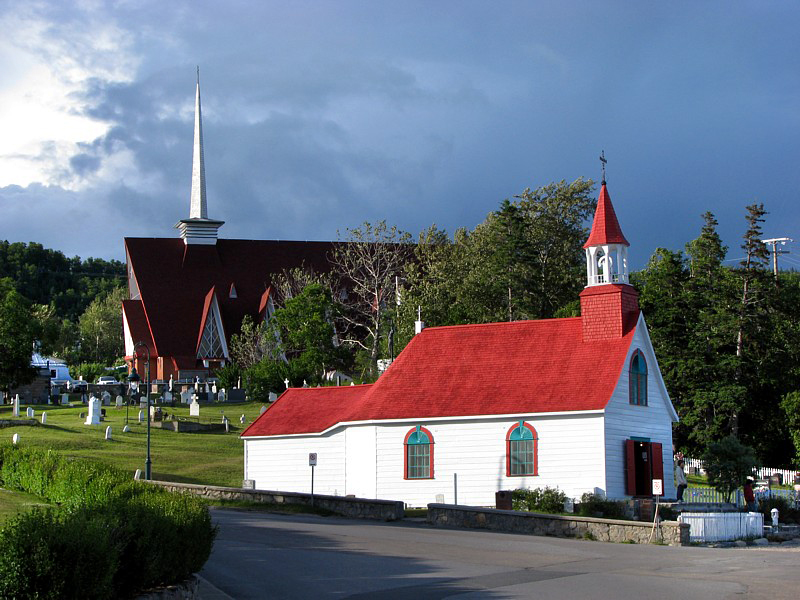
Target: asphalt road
{"type": "Point", "coordinates": [258, 555]}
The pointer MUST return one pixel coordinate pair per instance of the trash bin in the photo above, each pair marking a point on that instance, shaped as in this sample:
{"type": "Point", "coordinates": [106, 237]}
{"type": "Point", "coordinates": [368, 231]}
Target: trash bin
{"type": "Point", "coordinates": [502, 500]}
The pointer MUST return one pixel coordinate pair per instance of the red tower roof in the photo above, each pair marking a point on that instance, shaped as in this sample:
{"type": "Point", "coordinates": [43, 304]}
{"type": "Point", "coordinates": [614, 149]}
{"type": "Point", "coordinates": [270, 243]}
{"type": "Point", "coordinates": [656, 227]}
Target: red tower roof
{"type": "Point", "coordinates": [605, 227]}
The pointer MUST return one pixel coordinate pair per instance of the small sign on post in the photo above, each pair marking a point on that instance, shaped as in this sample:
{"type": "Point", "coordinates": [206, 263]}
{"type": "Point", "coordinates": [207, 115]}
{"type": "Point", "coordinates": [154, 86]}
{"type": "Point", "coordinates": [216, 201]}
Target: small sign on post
{"type": "Point", "coordinates": [658, 487]}
{"type": "Point", "coordinates": [312, 462]}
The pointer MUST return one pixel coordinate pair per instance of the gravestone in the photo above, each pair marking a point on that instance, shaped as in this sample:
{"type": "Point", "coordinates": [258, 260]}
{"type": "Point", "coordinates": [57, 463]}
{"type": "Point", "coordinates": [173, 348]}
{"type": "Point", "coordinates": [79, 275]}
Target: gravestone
{"type": "Point", "coordinates": [2, 397]}
{"type": "Point", "coordinates": [141, 416]}
{"type": "Point", "coordinates": [15, 439]}
{"type": "Point", "coordinates": [227, 426]}
{"type": "Point", "coordinates": [44, 418]}
{"type": "Point", "coordinates": [305, 383]}
{"type": "Point", "coordinates": [138, 474]}
{"type": "Point", "coordinates": [242, 420]}
{"type": "Point", "coordinates": [15, 405]}
{"type": "Point", "coordinates": [64, 399]}
{"type": "Point", "coordinates": [273, 396]}
{"type": "Point", "coordinates": [194, 409]}
{"type": "Point", "coordinates": [239, 383]}
{"type": "Point", "coordinates": [167, 397]}
{"type": "Point", "coordinates": [108, 432]}
{"type": "Point", "coordinates": [155, 413]}
{"type": "Point", "coordinates": [207, 388]}
{"type": "Point", "coordinates": [222, 396]}
{"type": "Point", "coordinates": [263, 409]}
{"type": "Point", "coordinates": [120, 401]}
{"type": "Point", "coordinates": [186, 397]}
{"type": "Point", "coordinates": [93, 418]}
{"type": "Point", "coordinates": [214, 388]}
{"type": "Point", "coordinates": [171, 384]}
{"type": "Point", "coordinates": [286, 383]}
{"type": "Point", "coordinates": [106, 396]}
{"type": "Point", "coordinates": [196, 384]}
{"type": "Point", "coordinates": [126, 429]}
{"type": "Point", "coordinates": [30, 413]}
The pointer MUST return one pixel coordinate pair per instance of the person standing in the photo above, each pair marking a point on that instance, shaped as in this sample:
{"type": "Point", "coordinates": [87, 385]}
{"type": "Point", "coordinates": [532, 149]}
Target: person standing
{"type": "Point", "coordinates": [749, 496]}
{"type": "Point", "coordinates": [680, 480]}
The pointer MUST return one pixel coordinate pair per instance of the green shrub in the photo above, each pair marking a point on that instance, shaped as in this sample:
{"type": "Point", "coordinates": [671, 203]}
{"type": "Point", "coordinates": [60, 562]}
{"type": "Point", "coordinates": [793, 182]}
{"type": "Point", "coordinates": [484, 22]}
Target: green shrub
{"type": "Point", "coordinates": [595, 505]}
{"type": "Point", "coordinates": [147, 535]}
{"type": "Point", "coordinates": [786, 512]}
{"type": "Point", "coordinates": [543, 500]}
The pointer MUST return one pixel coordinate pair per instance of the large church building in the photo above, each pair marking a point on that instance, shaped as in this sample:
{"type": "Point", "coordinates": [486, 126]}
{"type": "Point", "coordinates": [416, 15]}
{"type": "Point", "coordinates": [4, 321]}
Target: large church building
{"type": "Point", "coordinates": [189, 294]}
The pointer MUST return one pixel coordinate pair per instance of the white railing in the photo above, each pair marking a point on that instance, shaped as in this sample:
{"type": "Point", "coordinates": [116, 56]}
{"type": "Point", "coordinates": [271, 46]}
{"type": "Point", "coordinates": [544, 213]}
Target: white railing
{"type": "Point", "coordinates": [717, 527]}
{"type": "Point", "coordinates": [695, 465]}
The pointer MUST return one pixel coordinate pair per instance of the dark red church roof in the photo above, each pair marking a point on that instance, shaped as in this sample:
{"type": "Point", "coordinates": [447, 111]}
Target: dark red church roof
{"type": "Point", "coordinates": [467, 370]}
{"type": "Point", "coordinates": [605, 227]}
{"type": "Point", "coordinates": [175, 279]}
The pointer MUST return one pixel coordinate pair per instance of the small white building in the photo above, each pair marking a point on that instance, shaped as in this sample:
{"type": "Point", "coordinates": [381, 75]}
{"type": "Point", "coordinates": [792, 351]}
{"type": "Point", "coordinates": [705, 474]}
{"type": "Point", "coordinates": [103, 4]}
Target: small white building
{"type": "Point", "coordinates": [578, 403]}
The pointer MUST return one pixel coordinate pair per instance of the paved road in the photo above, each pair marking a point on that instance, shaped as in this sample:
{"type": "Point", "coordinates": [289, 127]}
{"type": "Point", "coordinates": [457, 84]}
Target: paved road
{"type": "Point", "coordinates": [260, 555]}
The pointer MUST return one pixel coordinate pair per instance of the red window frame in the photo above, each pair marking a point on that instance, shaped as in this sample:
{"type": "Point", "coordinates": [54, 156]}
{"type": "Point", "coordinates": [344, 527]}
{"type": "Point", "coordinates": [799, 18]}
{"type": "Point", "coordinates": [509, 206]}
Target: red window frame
{"type": "Point", "coordinates": [430, 453]}
{"type": "Point", "coordinates": [530, 428]}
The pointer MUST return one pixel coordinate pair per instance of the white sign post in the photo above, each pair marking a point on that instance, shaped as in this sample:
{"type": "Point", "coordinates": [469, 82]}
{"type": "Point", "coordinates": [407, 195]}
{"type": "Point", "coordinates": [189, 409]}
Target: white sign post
{"type": "Point", "coordinates": [658, 487]}
{"type": "Point", "coordinates": [312, 462]}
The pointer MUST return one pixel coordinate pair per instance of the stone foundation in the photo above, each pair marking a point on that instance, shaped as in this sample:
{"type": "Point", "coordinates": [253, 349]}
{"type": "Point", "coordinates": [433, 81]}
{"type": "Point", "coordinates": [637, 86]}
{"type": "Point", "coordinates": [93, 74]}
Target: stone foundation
{"type": "Point", "coordinates": [605, 530]}
{"type": "Point", "coordinates": [188, 590]}
{"type": "Point", "coordinates": [357, 508]}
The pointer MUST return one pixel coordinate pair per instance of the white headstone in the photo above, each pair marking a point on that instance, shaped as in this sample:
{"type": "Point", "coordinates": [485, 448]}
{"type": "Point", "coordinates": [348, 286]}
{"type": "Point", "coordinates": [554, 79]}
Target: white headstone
{"type": "Point", "coordinates": [171, 383]}
{"type": "Point", "coordinates": [93, 418]}
{"type": "Point", "coordinates": [222, 396]}
{"type": "Point", "coordinates": [30, 412]}
{"type": "Point", "coordinates": [286, 383]}
{"type": "Point", "coordinates": [141, 416]}
{"type": "Point", "coordinates": [15, 439]}
{"type": "Point", "coordinates": [263, 409]}
{"type": "Point", "coordinates": [120, 401]}
{"type": "Point", "coordinates": [138, 474]}
{"type": "Point", "coordinates": [239, 383]}
{"type": "Point", "coordinates": [15, 406]}
{"type": "Point", "coordinates": [196, 384]}
{"type": "Point", "coordinates": [106, 396]}
{"type": "Point", "coordinates": [44, 418]}
{"type": "Point", "coordinates": [143, 402]}
{"type": "Point", "coordinates": [186, 397]}
{"type": "Point", "coordinates": [126, 429]}
{"type": "Point", "coordinates": [194, 409]}
{"type": "Point", "coordinates": [352, 383]}
{"type": "Point", "coordinates": [227, 426]}
{"type": "Point", "coordinates": [64, 399]}
{"type": "Point", "coordinates": [108, 432]}
{"type": "Point", "coordinates": [214, 388]}
{"type": "Point", "coordinates": [273, 396]}
{"type": "Point", "coordinates": [242, 420]}
{"type": "Point", "coordinates": [305, 385]}
{"type": "Point", "coordinates": [207, 388]}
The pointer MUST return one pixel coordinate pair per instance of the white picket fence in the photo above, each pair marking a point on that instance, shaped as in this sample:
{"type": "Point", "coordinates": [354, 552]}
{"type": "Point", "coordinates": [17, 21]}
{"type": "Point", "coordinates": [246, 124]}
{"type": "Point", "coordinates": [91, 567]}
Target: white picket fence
{"type": "Point", "coordinates": [696, 465]}
{"type": "Point", "coordinates": [719, 527]}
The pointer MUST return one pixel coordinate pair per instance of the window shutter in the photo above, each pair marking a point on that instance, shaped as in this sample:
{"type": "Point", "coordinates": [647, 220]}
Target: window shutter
{"type": "Point", "coordinates": [630, 469]}
{"type": "Point", "coordinates": [657, 463]}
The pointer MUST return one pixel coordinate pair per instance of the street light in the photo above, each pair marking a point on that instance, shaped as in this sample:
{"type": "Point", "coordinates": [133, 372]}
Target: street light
{"type": "Point", "coordinates": [134, 378]}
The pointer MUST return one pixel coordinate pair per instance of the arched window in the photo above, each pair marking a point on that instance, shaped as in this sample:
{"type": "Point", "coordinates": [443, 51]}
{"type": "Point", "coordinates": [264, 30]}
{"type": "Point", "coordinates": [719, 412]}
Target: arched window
{"type": "Point", "coordinates": [419, 454]}
{"type": "Point", "coordinates": [638, 379]}
{"type": "Point", "coordinates": [522, 449]}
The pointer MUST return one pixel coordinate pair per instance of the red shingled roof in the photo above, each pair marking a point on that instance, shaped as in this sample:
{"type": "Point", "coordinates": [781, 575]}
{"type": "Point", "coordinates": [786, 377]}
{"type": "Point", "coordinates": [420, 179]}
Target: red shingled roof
{"type": "Point", "coordinates": [605, 227]}
{"type": "Point", "coordinates": [467, 370]}
{"type": "Point", "coordinates": [174, 280]}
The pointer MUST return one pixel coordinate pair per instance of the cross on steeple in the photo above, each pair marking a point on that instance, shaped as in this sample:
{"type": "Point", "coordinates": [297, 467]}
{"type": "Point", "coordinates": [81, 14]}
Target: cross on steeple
{"type": "Point", "coordinates": [604, 161]}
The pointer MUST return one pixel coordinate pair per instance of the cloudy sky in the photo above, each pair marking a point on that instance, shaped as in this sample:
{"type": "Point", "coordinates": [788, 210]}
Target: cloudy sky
{"type": "Point", "coordinates": [319, 115]}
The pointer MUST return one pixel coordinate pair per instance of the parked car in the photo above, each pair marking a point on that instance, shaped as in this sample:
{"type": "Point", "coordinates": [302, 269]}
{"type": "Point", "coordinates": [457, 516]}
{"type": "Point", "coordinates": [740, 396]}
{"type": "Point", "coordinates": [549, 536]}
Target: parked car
{"type": "Point", "coordinates": [77, 385]}
{"type": "Point", "coordinates": [107, 380]}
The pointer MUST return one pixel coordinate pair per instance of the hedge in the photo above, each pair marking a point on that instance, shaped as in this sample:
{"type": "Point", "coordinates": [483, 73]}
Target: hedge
{"type": "Point", "coordinates": [109, 537]}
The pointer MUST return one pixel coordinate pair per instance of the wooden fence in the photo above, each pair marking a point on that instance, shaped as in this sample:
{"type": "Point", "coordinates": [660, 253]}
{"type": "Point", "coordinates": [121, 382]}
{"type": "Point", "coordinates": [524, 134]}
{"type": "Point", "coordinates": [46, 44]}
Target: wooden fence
{"type": "Point", "coordinates": [717, 527]}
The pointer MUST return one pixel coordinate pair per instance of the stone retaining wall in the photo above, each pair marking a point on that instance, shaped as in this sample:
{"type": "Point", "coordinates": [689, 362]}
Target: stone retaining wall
{"type": "Point", "coordinates": [188, 590]}
{"type": "Point", "coordinates": [357, 508]}
{"type": "Point", "coordinates": [606, 530]}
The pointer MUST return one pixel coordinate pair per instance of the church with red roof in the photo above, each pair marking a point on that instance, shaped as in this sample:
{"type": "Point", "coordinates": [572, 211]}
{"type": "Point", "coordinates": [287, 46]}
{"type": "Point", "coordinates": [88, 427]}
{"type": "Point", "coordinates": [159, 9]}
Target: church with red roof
{"type": "Point", "coordinates": [188, 295]}
{"type": "Point", "coordinates": [574, 403]}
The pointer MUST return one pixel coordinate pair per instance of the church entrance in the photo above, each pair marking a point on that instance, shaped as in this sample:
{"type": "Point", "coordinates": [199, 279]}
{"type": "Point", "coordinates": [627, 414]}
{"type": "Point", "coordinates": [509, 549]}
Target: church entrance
{"type": "Point", "coordinates": [643, 464]}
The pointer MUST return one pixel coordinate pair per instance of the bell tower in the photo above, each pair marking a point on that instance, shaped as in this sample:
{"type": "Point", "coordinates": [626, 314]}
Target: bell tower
{"type": "Point", "coordinates": [609, 304]}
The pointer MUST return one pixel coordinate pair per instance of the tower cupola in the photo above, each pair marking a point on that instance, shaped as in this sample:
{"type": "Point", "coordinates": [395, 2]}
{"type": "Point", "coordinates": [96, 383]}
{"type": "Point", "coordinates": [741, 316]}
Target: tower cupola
{"type": "Point", "coordinates": [606, 248]}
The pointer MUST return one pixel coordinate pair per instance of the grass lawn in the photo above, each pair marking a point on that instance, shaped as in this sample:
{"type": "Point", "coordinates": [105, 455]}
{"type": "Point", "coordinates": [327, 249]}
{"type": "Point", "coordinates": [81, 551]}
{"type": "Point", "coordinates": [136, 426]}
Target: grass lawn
{"type": "Point", "coordinates": [208, 458]}
{"type": "Point", "coordinates": [13, 502]}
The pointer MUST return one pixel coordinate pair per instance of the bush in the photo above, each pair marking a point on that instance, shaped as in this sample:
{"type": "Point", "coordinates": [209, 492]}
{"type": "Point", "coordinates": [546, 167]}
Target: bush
{"type": "Point", "coordinates": [543, 500]}
{"type": "Point", "coordinates": [595, 505]}
{"type": "Point", "coordinates": [728, 462]}
{"type": "Point", "coordinates": [147, 535]}
{"type": "Point", "coordinates": [786, 512]}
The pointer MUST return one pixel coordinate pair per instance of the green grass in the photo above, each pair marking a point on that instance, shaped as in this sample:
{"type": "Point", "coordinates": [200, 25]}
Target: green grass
{"type": "Point", "coordinates": [206, 458]}
{"type": "Point", "coordinates": [13, 503]}
{"type": "Point", "coordinates": [282, 508]}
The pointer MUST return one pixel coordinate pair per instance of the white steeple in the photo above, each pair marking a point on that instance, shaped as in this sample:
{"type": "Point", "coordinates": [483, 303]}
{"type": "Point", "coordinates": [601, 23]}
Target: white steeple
{"type": "Point", "coordinates": [199, 208]}
{"type": "Point", "coordinates": [198, 228]}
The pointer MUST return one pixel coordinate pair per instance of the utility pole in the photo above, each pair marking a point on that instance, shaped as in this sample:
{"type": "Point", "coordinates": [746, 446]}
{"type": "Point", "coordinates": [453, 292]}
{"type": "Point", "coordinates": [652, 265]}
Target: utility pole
{"type": "Point", "coordinates": [774, 243]}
